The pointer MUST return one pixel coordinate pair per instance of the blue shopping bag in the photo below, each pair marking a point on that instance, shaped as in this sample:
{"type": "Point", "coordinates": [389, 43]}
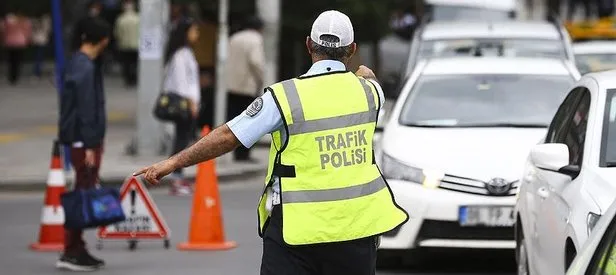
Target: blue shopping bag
{"type": "Point", "coordinates": [91, 208]}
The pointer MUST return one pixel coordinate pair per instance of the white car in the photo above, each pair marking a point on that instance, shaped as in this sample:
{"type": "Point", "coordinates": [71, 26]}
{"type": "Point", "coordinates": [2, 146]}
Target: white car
{"type": "Point", "coordinates": [501, 38]}
{"type": "Point", "coordinates": [569, 179]}
{"type": "Point", "coordinates": [602, 242]}
{"type": "Point", "coordinates": [454, 145]}
{"type": "Point", "coordinates": [595, 56]}
{"type": "Point", "coordinates": [471, 9]}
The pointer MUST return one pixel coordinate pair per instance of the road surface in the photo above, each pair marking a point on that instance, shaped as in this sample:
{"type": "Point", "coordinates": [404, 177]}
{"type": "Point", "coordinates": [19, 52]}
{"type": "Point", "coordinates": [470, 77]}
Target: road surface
{"type": "Point", "coordinates": [20, 217]}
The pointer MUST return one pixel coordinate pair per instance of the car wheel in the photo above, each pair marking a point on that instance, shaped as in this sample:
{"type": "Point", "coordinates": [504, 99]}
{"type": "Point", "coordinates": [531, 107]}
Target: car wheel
{"type": "Point", "coordinates": [522, 255]}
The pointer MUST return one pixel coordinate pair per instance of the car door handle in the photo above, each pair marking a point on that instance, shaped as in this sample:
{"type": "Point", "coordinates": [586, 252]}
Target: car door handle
{"type": "Point", "coordinates": [543, 192]}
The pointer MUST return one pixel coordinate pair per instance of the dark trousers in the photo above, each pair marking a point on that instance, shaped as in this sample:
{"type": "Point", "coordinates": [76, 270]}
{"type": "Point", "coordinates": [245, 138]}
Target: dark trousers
{"type": "Point", "coordinates": [15, 60]}
{"type": "Point", "coordinates": [236, 104]}
{"type": "Point", "coordinates": [605, 8]}
{"type": "Point", "coordinates": [130, 59]}
{"type": "Point", "coordinates": [39, 58]}
{"type": "Point", "coordinates": [553, 8]}
{"type": "Point", "coordinates": [586, 4]}
{"type": "Point", "coordinates": [208, 98]}
{"type": "Point", "coordinates": [184, 133]}
{"type": "Point", "coordinates": [85, 177]}
{"type": "Point", "coordinates": [357, 257]}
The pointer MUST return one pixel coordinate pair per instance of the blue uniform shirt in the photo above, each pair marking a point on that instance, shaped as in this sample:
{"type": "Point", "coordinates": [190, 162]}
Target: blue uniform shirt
{"type": "Point", "coordinates": [249, 129]}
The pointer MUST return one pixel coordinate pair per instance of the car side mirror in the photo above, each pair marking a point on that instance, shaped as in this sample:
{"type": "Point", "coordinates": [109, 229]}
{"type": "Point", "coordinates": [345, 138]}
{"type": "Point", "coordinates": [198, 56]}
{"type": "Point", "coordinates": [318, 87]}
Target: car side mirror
{"type": "Point", "coordinates": [553, 157]}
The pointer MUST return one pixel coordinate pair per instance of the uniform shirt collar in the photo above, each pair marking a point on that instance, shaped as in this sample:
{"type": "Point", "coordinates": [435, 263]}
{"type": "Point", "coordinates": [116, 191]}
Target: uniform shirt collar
{"type": "Point", "coordinates": [325, 66]}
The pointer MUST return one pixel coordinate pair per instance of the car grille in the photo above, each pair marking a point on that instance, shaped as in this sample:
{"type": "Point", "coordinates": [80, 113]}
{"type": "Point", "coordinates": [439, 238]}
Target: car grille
{"type": "Point", "coordinates": [432, 229]}
{"type": "Point", "coordinates": [472, 186]}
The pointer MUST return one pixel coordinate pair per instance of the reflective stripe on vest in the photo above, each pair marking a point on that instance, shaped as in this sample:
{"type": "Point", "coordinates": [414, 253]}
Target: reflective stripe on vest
{"type": "Point", "coordinates": [301, 126]}
{"type": "Point", "coordinates": [336, 194]}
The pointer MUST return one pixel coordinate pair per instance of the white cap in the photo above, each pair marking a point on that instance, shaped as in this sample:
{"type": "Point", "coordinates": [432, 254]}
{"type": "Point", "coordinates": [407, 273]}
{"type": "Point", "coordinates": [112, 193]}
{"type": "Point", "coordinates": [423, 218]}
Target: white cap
{"type": "Point", "coordinates": [332, 23]}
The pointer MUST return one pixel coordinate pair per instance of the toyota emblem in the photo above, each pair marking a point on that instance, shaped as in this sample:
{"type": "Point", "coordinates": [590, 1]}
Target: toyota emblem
{"type": "Point", "coordinates": [498, 186]}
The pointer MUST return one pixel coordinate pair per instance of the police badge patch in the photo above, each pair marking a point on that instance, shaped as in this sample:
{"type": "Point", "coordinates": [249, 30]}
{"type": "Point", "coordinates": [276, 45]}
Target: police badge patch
{"type": "Point", "coordinates": [255, 107]}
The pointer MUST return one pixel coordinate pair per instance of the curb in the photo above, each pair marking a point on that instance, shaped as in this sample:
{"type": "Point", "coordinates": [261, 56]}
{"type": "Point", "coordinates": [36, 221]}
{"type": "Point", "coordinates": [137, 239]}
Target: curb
{"type": "Point", "coordinates": [117, 181]}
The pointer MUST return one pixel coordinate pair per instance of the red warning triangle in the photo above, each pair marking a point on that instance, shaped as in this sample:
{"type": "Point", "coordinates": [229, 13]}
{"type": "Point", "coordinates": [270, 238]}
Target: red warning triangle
{"type": "Point", "coordinates": [143, 219]}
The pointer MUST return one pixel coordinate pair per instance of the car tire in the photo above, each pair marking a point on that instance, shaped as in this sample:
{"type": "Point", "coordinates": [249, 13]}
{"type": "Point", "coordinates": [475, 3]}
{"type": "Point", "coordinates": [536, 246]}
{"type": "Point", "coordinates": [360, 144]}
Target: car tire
{"type": "Point", "coordinates": [522, 256]}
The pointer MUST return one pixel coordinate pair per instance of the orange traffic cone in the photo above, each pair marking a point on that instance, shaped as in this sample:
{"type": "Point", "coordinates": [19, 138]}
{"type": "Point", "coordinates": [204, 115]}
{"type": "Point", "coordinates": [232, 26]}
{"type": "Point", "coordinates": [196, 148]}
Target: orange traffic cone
{"type": "Point", "coordinates": [51, 234]}
{"type": "Point", "coordinates": [206, 229]}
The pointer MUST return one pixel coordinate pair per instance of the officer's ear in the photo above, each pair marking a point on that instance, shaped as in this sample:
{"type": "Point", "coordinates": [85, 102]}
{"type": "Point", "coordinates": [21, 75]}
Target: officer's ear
{"type": "Point", "coordinates": [353, 49]}
{"type": "Point", "coordinates": [309, 45]}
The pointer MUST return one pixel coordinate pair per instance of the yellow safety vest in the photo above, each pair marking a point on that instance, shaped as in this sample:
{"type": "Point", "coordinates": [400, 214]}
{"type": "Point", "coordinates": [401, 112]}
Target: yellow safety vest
{"type": "Point", "coordinates": [331, 189]}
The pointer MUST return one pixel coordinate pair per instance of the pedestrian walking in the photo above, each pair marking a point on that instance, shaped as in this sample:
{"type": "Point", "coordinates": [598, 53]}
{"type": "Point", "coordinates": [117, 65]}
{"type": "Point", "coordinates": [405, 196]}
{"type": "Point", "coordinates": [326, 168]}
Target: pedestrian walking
{"type": "Point", "coordinates": [589, 7]}
{"type": "Point", "coordinates": [82, 126]}
{"type": "Point", "coordinates": [182, 78]}
{"type": "Point", "coordinates": [205, 52]}
{"type": "Point", "coordinates": [17, 34]}
{"type": "Point", "coordinates": [324, 202]}
{"type": "Point", "coordinates": [95, 7]}
{"type": "Point", "coordinates": [244, 73]}
{"type": "Point", "coordinates": [127, 36]}
{"type": "Point", "coordinates": [41, 29]}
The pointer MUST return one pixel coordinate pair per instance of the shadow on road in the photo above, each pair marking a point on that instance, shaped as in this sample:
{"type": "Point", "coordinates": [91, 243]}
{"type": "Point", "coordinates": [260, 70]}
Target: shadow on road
{"type": "Point", "coordinates": [461, 262]}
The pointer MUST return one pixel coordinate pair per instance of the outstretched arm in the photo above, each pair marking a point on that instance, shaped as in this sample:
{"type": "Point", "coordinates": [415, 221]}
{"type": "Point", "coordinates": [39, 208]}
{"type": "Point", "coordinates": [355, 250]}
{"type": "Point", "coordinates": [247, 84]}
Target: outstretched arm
{"type": "Point", "coordinates": [217, 143]}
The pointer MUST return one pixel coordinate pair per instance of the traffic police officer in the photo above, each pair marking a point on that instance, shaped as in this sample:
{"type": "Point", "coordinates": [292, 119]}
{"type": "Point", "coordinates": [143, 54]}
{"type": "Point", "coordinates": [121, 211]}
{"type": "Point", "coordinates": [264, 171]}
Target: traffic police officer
{"type": "Point", "coordinates": [324, 202]}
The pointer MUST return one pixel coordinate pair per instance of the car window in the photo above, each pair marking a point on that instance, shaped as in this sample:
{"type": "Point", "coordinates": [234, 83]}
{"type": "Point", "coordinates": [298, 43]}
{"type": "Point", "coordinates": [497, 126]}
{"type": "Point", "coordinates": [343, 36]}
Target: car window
{"type": "Point", "coordinates": [519, 47]}
{"type": "Point", "coordinates": [603, 261]}
{"type": "Point", "coordinates": [587, 63]}
{"type": "Point", "coordinates": [608, 140]}
{"type": "Point", "coordinates": [574, 134]}
{"type": "Point", "coordinates": [560, 120]}
{"type": "Point", "coordinates": [484, 100]}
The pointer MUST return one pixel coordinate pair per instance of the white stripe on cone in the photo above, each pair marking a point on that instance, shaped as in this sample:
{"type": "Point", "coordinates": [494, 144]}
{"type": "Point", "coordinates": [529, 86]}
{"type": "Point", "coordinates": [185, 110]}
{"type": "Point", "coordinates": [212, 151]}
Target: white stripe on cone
{"type": "Point", "coordinates": [52, 215]}
{"type": "Point", "coordinates": [55, 178]}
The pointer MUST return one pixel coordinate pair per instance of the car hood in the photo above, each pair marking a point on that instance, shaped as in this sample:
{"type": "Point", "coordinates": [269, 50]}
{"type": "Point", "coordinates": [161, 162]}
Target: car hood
{"type": "Point", "coordinates": [601, 186]}
{"type": "Point", "coordinates": [477, 153]}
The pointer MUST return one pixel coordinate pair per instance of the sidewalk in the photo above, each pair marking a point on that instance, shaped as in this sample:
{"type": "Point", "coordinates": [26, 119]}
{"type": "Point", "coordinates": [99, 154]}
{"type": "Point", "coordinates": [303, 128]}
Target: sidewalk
{"type": "Point", "coordinates": [28, 117]}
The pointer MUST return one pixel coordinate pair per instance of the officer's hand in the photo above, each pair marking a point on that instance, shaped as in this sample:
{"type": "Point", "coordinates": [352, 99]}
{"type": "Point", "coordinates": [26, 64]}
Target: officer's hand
{"type": "Point", "coordinates": [154, 173]}
{"type": "Point", "coordinates": [365, 72]}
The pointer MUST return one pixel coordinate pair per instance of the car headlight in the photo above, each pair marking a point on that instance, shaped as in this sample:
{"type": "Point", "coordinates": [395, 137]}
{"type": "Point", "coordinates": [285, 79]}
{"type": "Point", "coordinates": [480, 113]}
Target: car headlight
{"type": "Point", "coordinates": [591, 221]}
{"type": "Point", "coordinates": [394, 169]}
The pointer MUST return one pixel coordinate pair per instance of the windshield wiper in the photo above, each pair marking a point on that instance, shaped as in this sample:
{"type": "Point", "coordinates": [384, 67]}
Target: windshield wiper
{"type": "Point", "coordinates": [480, 125]}
{"type": "Point", "coordinates": [428, 125]}
{"type": "Point", "coordinates": [610, 164]}
{"type": "Point", "coordinates": [503, 125]}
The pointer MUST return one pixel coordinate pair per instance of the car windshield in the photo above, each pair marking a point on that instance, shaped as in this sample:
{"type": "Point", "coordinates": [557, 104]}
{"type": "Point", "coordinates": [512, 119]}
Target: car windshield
{"type": "Point", "coordinates": [587, 63]}
{"type": "Point", "coordinates": [484, 100]}
{"type": "Point", "coordinates": [493, 47]}
{"type": "Point", "coordinates": [609, 131]}
{"type": "Point", "coordinates": [450, 12]}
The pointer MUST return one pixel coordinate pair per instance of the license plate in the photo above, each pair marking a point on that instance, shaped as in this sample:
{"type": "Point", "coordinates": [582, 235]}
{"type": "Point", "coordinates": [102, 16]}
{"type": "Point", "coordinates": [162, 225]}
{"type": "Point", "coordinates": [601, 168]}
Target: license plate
{"type": "Point", "coordinates": [491, 216]}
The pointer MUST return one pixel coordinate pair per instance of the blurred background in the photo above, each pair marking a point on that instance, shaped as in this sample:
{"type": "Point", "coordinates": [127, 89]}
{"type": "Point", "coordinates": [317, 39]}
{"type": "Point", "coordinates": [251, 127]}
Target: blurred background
{"type": "Point", "coordinates": [388, 32]}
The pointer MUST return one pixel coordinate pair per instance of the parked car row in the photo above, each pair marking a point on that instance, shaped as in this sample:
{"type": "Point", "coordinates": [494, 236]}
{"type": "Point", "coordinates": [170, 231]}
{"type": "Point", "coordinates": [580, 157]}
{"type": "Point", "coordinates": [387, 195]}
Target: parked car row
{"type": "Point", "coordinates": [496, 141]}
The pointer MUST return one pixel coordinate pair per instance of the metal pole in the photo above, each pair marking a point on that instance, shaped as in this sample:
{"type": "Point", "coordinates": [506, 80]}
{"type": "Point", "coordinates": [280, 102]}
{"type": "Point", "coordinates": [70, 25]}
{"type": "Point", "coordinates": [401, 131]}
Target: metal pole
{"type": "Point", "coordinates": [269, 11]}
{"type": "Point", "coordinates": [220, 115]}
{"type": "Point", "coordinates": [221, 56]}
{"type": "Point", "coordinates": [58, 39]}
{"type": "Point", "coordinates": [151, 47]}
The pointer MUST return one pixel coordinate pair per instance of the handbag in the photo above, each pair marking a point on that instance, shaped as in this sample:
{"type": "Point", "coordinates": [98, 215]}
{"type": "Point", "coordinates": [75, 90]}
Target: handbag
{"type": "Point", "coordinates": [172, 107]}
{"type": "Point", "coordinates": [91, 208]}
